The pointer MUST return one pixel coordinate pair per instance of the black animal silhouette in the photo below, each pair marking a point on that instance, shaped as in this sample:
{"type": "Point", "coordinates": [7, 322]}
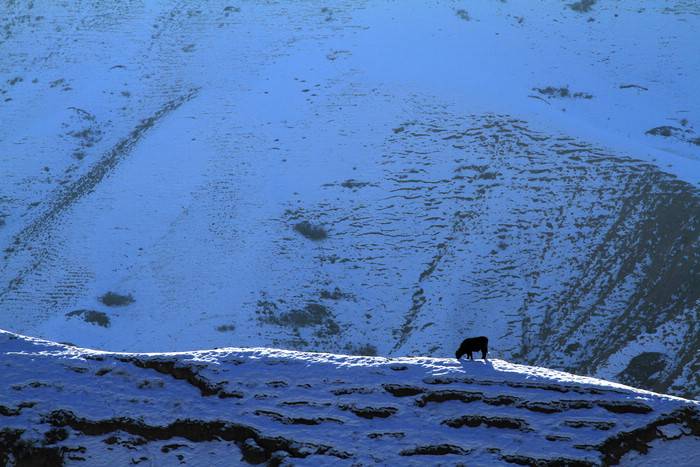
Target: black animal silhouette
{"type": "Point", "coordinates": [473, 344]}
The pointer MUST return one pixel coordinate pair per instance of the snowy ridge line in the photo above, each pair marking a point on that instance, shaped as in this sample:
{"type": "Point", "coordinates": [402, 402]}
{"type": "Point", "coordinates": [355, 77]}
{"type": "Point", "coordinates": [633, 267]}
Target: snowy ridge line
{"type": "Point", "coordinates": [69, 406]}
{"type": "Point", "coordinates": [85, 184]}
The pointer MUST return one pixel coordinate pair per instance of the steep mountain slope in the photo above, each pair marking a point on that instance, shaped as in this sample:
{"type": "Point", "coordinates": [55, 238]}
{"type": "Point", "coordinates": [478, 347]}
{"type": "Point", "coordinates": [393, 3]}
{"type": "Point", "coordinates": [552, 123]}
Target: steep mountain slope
{"type": "Point", "coordinates": [71, 406]}
{"type": "Point", "coordinates": [365, 178]}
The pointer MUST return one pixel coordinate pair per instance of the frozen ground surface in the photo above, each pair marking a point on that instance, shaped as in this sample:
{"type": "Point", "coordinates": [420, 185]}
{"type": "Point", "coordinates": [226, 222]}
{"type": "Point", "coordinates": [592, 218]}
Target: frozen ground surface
{"type": "Point", "coordinates": [517, 169]}
{"type": "Point", "coordinates": [237, 406]}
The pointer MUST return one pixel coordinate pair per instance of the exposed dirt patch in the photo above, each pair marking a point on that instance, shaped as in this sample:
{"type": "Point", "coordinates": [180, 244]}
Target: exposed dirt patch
{"type": "Point", "coordinates": [370, 412]}
{"type": "Point", "coordinates": [402, 390]}
{"type": "Point", "coordinates": [187, 373]}
{"type": "Point", "coordinates": [91, 316]}
{"type": "Point", "coordinates": [435, 450]}
{"type": "Point", "coordinates": [615, 447]}
{"type": "Point", "coordinates": [495, 422]}
{"type": "Point", "coordinates": [192, 430]}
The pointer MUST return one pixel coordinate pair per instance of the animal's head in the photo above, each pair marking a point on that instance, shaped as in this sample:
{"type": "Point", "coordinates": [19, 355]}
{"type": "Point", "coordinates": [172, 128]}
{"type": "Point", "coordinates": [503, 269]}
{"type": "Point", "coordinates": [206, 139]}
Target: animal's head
{"type": "Point", "coordinates": [458, 354]}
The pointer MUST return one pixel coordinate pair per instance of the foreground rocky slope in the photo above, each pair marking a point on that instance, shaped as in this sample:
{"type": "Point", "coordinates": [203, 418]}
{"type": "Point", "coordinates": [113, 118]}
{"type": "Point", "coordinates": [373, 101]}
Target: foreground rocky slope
{"type": "Point", "coordinates": [68, 406]}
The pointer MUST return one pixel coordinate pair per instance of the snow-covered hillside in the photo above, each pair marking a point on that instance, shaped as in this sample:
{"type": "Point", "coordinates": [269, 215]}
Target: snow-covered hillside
{"type": "Point", "coordinates": [231, 406]}
{"type": "Point", "coordinates": [357, 177]}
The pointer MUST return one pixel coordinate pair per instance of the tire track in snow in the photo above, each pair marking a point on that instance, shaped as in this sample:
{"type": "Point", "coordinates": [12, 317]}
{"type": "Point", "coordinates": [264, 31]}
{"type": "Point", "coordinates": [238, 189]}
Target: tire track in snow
{"type": "Point", "coordinates": [37, 230]}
